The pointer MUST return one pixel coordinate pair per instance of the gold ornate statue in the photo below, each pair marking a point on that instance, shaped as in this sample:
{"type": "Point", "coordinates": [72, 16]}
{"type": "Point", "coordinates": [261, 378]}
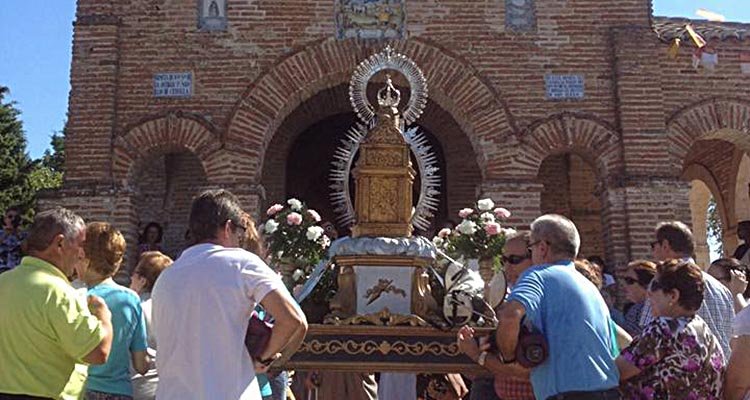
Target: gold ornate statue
{"type": "Point", "coordinates": [384, 175]}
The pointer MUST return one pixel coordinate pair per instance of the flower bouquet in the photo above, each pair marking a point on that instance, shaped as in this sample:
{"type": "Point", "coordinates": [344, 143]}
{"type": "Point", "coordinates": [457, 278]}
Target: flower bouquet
{"type": "Point", "coordinates": [478, 236]}
{"type": "Point", "coordinates": [296, 243]}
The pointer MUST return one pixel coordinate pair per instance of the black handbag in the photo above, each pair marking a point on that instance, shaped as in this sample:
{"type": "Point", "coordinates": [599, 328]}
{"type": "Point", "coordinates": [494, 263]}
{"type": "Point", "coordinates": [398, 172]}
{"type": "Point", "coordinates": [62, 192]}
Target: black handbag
{"type": "Point", "coordinates": [532, 348]}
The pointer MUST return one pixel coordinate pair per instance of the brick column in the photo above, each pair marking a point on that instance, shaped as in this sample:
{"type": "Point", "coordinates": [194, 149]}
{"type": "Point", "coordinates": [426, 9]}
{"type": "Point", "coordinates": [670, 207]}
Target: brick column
{"type": "Point", "coordinates": [93, 97]}
{"type": "Point", "coordinates": [650, 186]}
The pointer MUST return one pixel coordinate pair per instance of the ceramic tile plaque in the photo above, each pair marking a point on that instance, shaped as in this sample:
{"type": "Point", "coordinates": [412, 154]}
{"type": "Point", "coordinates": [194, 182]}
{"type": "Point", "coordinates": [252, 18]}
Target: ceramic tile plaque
{"type": "Point", "coordinates": [381, 287]}
{"type": "Point", "coordinates": [370, 19]}
{"type": "Point", "coordinates": [173, 84]}
{"type": "Point", "coordinates": [564, 87]}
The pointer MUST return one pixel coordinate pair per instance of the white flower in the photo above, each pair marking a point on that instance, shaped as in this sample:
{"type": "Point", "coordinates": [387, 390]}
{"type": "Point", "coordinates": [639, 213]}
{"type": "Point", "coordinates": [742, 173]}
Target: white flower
{"type": "Point", "coordinates": [508, 231]}
{"type": "Point", "coordinates": [326, 241]}
{"type": "Point", "coordinates": [298, 274]}
{"type": "Point", "coordinates": [467, 227]}
{"type": "Point", "coordinates": [314, 233]}
{"type": "Point", "coordinates": [271, 226]}
{"type": "Point", "coordinates": [438, 241]}
{"type": "Point", "coordinates": [485, 204]}
{"type": "Point", "coordinates": [488, 217]}
{"type": "Point", "coordinates": [295, 204]}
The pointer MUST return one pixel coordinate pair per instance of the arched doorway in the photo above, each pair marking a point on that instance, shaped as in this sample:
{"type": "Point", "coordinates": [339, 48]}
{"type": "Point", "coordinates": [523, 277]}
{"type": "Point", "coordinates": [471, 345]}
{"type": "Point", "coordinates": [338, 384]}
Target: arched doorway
{"type": "Point", "coordinates": [163, 188]}
{"type": "Point", "coordinates": [570, 189]}
{"type": "Point", "coordinates": [299, 156]}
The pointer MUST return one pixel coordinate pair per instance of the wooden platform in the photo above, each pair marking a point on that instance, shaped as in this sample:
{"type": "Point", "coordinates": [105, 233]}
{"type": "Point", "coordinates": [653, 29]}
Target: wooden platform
{"type": "Point", "coordinates": [369, 348]}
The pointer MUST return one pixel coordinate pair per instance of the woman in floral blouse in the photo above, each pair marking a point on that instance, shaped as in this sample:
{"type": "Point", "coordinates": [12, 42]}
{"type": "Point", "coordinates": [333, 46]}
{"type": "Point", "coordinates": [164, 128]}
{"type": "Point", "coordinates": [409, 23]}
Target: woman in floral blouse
{"type": "Point", "coordinates": [676, 356]}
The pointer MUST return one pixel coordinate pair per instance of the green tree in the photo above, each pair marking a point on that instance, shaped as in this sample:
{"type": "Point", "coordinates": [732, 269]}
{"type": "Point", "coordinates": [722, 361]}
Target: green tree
{"type": "Point", "coordinates": [15, 164]}
{"type": "Point", "coordinates": [715, 228]}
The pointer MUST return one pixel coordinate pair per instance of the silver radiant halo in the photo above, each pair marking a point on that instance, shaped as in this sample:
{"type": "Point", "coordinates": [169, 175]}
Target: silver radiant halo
{"type": "Point", "coordinates": [428, 172]}
{"type": "Point", "coordinates": [388, 60]}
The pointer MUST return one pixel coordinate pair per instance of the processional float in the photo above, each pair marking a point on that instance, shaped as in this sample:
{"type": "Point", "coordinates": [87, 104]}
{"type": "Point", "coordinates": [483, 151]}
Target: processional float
{"type": "Point", "coordinates": [384, 316]}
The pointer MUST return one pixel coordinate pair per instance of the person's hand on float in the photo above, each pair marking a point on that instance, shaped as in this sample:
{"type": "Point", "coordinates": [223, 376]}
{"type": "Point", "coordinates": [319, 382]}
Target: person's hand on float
{"type": "Point", "coordinates": [467, 344]}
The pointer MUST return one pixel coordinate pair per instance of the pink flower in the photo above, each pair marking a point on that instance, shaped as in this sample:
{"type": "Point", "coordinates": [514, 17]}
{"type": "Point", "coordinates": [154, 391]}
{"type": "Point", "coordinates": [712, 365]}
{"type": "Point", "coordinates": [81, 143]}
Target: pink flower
{"type": "Point", "coordinates": [274, 209]}
{"type": "Point", "coordinates": [314, 214]}
{"type": "Point", "coordinates": [492, 228]}
{"type": "Point", "coordinates": [444, 233]}
{"type": "Point", "coordinates": [502, 212]}
{"type": "Point", "coordinates": [294, 218]}
{"type": "Point", "coordinates": [465, 212]}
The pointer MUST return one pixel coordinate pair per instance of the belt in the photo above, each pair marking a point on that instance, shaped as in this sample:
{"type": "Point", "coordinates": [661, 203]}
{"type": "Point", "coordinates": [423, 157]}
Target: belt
{"type": "Point", "coordinates": [609, 394]}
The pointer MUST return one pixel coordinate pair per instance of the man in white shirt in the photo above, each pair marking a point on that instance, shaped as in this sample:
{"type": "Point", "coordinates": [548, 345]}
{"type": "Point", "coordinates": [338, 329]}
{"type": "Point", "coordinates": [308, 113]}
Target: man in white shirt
{"type": "Point", "coordinates": [202, 305]}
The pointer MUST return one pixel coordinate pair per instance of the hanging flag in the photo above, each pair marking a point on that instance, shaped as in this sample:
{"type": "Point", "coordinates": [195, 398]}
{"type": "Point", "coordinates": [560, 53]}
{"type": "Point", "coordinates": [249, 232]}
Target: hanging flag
{"type": "Point", "coordinates": [674, 49]}
{"type": "Point", "coordinates": [710, 15]}
{"type": "Point", "coordinates": [697, 38]}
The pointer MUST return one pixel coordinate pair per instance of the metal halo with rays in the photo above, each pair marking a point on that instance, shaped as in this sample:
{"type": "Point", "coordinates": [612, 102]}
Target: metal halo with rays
{"type": "Point", "coordinates": [388, 59]}
{"type": "Point", "coordinates": [428, 171]}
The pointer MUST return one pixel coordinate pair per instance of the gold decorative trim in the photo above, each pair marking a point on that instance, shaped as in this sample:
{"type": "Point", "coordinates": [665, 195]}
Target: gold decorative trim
{"type": "Point", "coordinates": [368, 347]}
{"type": "Point", "coordinates": [382, 318]}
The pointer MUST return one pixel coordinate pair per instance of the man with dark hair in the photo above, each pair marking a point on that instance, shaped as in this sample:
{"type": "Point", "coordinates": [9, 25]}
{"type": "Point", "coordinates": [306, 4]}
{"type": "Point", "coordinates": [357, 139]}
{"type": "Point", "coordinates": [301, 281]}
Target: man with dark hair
{"type": "Point", "coordinates": [674, 240]}
{"type": "Point", "coordinates": [202, 305]}
{"type": "Point", "coordinates": [11, 238]}
{"type": "Point", "coordinates": [46, 326]}
{"type": "Point", "coordinates": [568, 311]}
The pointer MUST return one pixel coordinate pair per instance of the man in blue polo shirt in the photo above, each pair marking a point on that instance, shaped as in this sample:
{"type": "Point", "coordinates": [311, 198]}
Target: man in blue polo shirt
{"type": "Point", "coordinates": [569, 312]}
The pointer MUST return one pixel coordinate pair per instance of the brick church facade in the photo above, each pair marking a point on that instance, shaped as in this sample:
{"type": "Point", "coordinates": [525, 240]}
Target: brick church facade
{"type": "Point", "coordinates": [567, 106]}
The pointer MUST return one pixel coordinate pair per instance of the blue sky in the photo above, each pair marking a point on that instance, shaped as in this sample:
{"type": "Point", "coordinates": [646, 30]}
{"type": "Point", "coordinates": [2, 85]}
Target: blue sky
{"type": "Point", "coordinates": [37, 39]}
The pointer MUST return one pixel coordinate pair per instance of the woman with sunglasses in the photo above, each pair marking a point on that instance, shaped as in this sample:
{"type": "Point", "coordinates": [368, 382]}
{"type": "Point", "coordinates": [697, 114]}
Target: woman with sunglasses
{"type": "Point", "coordinates": [732, 274]}
{"type": "Point", "coordinates": [676, 356]}
{"type": "Point", "coordinates": [635, 280]}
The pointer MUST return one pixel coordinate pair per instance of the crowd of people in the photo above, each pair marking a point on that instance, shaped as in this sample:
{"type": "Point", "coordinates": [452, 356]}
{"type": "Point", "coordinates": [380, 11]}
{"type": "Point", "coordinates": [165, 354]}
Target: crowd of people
{"type": "Point", "coordinates": [678, 339]}
{"type": "Point", "coordinates": [70, 331]}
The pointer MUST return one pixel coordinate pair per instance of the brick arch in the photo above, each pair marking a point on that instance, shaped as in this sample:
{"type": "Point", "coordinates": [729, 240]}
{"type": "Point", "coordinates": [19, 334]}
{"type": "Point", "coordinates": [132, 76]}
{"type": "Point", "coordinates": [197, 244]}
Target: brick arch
{"type": "Point", "coordinates": [453, 84]}
{"type": "Point", "coordinates": [715, 118]}
{"type": "Point", "coordinates": [160, 135]}
{"type": "Point", "coordinates": [596, 141]}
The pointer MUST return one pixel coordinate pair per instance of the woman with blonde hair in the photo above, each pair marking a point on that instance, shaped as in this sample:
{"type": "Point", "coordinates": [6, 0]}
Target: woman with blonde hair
{"type": "Point", "coordinates": [105, 247]}
{"type": "Point", "coordinates": [145, 274]}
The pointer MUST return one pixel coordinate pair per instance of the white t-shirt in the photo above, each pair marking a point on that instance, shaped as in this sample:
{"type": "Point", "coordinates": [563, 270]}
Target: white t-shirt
{"type": "Point", "coordinates": [201, 308]}
{"type": "Point", "coordinates": [741, 324]}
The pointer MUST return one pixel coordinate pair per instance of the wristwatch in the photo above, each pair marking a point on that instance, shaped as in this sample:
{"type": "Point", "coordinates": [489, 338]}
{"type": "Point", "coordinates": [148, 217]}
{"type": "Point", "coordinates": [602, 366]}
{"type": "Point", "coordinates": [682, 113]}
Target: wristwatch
{"type": "Point", "coordinates": [482, 358]}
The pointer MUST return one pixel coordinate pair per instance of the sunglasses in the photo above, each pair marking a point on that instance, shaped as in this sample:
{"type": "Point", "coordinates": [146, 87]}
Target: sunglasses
{"type": "Point", "coordinates": [514, 259]}
{"type": "Point", "coordinates": [629, 281]}
{"type": "Point", "coordinates": [655, 285]}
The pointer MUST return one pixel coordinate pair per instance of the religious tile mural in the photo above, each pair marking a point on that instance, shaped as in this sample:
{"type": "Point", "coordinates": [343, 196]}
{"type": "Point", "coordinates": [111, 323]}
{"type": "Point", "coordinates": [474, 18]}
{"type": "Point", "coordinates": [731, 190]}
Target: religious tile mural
{"type": "Point", "coordinates": [370, 19]}
{"type": "Point", "coordinates": [519, 15]}
{"type": "Point", "coordinates": [212, 15]}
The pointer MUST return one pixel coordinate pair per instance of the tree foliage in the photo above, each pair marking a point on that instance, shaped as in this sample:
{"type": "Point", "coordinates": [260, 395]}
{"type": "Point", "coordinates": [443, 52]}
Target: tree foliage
{"type": "Point", "coordinates": [21, 178]}
{"type": "Point", "coordinates": [715, 228]}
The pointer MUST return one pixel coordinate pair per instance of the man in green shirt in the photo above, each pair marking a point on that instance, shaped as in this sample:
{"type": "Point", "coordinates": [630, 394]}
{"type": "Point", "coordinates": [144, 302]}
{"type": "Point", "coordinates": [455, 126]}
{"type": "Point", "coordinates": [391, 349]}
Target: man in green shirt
{"type": "Point", "coordinates": [46, 325]}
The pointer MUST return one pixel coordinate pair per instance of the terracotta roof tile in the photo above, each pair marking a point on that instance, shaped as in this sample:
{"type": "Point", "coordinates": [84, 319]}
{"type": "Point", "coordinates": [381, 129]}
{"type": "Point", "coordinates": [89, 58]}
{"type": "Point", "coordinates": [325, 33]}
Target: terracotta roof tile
{"type": "Point", "coordinates": [668, 28]}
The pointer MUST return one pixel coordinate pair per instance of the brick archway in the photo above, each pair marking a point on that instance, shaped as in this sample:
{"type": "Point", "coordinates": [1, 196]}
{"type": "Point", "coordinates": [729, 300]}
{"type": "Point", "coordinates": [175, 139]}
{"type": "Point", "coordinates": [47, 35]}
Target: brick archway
{"type": "Point", "coordinates": [595, 141]}
{"type": "Point", "coordinates": [161, 135]}
{"type": "Point", "coordinates": [453, 84]}
{"type": "Point", "coordinates": [715, 118]}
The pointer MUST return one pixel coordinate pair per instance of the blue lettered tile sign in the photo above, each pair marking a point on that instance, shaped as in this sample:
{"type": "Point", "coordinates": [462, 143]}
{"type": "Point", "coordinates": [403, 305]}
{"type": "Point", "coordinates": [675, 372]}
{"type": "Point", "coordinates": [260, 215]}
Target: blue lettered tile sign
{"type": "Point", "coordinates": [173, 84]}
{"type": "Point", "coordinates": [564, 87]}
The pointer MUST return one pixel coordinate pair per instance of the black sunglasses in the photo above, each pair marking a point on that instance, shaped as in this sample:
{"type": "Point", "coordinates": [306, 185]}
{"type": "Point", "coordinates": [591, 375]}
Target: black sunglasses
{"type": "Point", "coordinates": [514, 259]}
{"type": "Point", "coordinates": [628, 280]}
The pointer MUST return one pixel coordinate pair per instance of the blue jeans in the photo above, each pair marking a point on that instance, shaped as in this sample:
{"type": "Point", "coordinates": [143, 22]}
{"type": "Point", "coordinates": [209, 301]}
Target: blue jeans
{"type": "Point", "coordinates": [279, 383]}
{"type": "Point", "coordinates": [483, 388]}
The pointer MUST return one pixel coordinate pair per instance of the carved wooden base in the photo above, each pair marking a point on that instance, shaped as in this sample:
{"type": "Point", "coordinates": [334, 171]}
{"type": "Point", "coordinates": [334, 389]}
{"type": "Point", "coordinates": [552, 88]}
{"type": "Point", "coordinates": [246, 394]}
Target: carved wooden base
{"type": "Point", "coordinates": [383, 348]}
